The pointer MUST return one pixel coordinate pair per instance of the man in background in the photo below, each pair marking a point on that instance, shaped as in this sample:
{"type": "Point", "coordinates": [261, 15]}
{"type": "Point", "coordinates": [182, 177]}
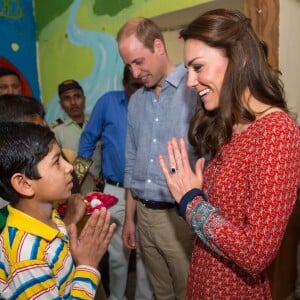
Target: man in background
{"type": "Point", "coordinates": [10, 82]}
{"type": "Point", "coordinates": [68, 130]}
{"type": "Point", "coordinates": [108, 122]}
{"type": "Point", "coordinates": [156, 113]}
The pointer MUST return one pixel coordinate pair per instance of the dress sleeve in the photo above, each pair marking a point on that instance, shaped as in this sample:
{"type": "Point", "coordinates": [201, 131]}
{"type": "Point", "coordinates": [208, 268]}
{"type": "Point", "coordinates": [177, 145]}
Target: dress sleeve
{"type": "Point", "coordinates": [273, 178]}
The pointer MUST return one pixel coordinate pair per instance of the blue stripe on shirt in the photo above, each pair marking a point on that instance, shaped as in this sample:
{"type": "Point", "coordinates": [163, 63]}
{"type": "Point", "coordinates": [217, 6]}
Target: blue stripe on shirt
{"type": "Point", "coordinates": [28, 284]}
{"type": "Point", "coordinates": [56, 256]}
{"type": "Point", "coordinates": [12, 233]}
{"type": "Point", "coordinates": [2, 267]}
{"type": "Point", "coordinates": [35, 248]}
{"type": "Point", "coordinates": [86, 280]}
{"type": "Point", "coordinates": [66, 277]}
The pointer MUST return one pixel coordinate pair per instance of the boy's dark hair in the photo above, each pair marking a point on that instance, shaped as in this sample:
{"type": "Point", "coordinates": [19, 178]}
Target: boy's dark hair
{"type": "Point", "coordinates": [18, 108]}
{"type": "Point", "coordinates": [7, 71]}
{"type": "Point", "coordinates": [22, 146]}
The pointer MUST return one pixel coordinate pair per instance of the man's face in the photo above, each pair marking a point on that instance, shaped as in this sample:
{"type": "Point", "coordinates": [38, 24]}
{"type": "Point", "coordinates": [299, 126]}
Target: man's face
{"type": "Point", "coordinates": [10, 84]}
{"type": "Point", "coordinates": [73, 102]}
{"type": "Point", "coordinates": [146, 65]}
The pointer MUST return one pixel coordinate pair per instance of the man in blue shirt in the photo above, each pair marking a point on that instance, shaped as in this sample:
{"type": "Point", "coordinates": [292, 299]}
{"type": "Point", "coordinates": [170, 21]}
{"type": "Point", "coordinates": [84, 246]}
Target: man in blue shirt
{"type": "Point", "coordinates": [156, 113]}
{"type": "Point", "coordinates": [108, 122]}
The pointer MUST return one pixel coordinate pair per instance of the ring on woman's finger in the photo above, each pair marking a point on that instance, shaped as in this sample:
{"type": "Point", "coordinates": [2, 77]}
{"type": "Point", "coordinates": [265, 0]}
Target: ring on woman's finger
{"type": "Point", "coordinates": [173, 170]}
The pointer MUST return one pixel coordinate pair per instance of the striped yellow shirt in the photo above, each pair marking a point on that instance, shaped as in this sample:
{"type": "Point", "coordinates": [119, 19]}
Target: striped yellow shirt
{"type": "Point", "coordinates": [35, 261]}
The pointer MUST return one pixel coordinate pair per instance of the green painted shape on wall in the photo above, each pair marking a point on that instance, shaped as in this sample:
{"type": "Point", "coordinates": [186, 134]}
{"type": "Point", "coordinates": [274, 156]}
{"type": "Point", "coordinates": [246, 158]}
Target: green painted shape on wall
{"type": "Point", "coordinates": [111, 8]}
{"type": "Point", "coordinates": [47, 11]}
{"type": "Point", "coordinates": [59, 59]}
{"type": "Point", "coordinates": [88, 19]}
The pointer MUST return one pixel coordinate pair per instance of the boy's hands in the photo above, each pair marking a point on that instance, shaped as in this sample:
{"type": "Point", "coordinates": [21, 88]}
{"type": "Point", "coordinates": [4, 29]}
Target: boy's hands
{"type": "Point", "coordinates": [92, 243]}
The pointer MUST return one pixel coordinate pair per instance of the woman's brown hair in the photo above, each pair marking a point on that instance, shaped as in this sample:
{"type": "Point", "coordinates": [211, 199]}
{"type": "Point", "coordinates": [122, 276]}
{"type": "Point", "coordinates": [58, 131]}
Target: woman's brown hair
{"type": "Point", "coordinates": [248, 67]}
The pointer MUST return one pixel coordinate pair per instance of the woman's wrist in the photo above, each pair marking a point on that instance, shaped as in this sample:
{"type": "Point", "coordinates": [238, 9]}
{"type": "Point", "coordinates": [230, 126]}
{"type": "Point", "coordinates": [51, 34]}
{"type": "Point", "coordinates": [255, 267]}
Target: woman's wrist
{"type": "Point", "coordinates": [188, 197]}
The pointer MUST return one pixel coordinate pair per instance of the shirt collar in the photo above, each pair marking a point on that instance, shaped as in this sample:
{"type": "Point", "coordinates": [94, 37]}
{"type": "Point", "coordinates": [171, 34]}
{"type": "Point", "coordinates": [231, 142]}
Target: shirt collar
{"type": "Point", "coordinates": [68, 121]}
{"type": "Point", "coordinates": [26, 223]}
{"type": "Point", "coordinates": [175, 77]}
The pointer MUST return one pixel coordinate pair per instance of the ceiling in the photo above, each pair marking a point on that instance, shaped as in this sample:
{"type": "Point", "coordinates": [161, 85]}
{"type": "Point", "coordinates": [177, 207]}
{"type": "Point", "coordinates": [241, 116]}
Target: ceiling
{"type": "Point", "coordinates": [178, 19]}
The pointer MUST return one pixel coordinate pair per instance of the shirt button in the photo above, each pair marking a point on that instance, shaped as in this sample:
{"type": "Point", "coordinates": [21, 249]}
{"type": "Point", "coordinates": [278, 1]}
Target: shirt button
{"type": "Point", "coordinates": [149, 180]}
{"type": "Point", "coordinates": [155, 100]}
{"type": "Point", "coordinates": [154, 140]}
{"type": "Point", "coordinates": [156, 119]}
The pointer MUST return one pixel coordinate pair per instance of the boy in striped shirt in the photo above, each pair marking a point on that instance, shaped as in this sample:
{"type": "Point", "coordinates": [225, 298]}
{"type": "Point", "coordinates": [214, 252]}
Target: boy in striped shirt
{"type": "Point", "coordinates": [38, 259]}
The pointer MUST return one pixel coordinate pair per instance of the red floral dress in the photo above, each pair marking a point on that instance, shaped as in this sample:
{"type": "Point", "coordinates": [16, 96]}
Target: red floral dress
{"type": "Point", "coordinates": [251, 187]}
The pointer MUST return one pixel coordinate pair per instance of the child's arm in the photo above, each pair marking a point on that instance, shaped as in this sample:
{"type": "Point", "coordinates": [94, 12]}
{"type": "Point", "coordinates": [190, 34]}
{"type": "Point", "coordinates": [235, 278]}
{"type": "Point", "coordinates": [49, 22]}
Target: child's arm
{"type": "Point", "coordinates": [42, 270]}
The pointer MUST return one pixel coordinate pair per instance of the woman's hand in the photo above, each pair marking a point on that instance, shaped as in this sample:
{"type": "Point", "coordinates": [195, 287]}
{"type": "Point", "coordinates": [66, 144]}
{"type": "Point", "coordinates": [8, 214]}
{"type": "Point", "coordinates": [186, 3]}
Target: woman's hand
{"type": "Point", "coordinates": [179, 176]}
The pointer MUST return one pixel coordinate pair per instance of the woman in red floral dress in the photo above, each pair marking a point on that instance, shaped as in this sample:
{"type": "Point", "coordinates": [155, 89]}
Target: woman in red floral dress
{"type": "Point", "coordinates": [240, 203]}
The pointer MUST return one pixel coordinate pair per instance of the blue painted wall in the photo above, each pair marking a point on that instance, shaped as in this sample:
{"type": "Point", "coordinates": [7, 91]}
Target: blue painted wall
{"type": "Point", "coordinates": [18, 42]}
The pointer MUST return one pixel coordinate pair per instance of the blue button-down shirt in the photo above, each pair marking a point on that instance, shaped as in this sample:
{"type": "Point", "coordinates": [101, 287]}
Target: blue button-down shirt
{"type": "Point", "coordinates": [152, 121]}
{"type": "Point", "coordinates": [108, 122]}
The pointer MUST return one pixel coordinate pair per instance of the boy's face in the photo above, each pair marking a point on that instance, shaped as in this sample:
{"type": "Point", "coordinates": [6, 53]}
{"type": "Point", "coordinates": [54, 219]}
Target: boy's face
{"type": "Point", "coordinates": [56, 179]}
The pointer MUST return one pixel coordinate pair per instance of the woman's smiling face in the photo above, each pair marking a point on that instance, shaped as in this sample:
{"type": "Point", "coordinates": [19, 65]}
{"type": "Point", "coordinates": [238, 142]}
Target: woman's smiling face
{"type": "Point", "coordinates": [206, 68]}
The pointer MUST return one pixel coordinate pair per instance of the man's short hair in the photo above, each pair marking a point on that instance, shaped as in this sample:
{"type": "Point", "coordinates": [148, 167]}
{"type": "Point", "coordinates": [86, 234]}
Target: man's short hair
{"type": "Point", "coordinates": [7, 72]}
{"type": "Point", "coordinates": [144, 29]}
{"type": "Point", "coordinates": [68, 85]}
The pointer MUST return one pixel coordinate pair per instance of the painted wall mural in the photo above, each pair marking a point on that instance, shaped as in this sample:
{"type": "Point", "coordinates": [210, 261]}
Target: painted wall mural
{"type": "Point", "coordinates": [18, 43]}
{"type": "Point", "coordinates": [76, 40]}
{"type": "Point", "coordinates": [89, 56]}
